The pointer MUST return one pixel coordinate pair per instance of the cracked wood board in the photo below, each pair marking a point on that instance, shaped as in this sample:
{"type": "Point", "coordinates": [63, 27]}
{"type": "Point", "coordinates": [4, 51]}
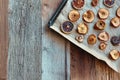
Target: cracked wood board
{"type": "Point", "coordinates": [93, 50]}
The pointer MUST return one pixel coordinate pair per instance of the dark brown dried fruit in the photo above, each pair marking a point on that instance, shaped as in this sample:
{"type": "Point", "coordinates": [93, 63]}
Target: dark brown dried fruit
{"type": "Point", "coordinates": [78, 4]}
{"type": "Point", "coordinates": [109, 3]}
{"type": "Point", "coordinates": [67, 27]}
{"type": "Point", "coordinates": [115, 41]}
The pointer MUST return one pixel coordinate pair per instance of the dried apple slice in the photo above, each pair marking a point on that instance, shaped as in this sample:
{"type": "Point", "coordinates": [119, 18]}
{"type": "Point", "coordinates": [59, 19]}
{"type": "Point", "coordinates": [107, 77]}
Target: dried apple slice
{"type": "Point", "coordinates": [82, 28]}
{"type": "Point", "coordinates": [103, 13]}
{"type": "Point", "coordinates": [89, 16]}
{"type": "Point", "coordinates": [94, 3]}
{"type": "Point", "coordinates": [102, 46]}
{"type": "Point", "coordinates": [74, 15]}
{"type": "Point", "coordinates": [115, 54]}
{"type": "Point", "coordinates": [103, 36]}
{"type": "Point", "coordinates": [115, 22]}
{"type": "Point", "coordinates": [80, 38]}
{"type": "Point", "coordinates": [118, 12]}
{"type": "Point", "coordinates": [92, 39]}
{"type": "Point", "coordinates": [100, 25]}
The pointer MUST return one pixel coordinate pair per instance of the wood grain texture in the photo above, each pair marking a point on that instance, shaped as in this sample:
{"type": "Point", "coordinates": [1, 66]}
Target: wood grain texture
{"type": "Point", "coordinates": [55, 49]}
{"type": "Point", "coordinates": [26, 43]}
{"type": "Point", "coordinates": [3, 38]}
{"type": "Point", "coordinates": [86, 67]}
{"type": "Point", "coordinates": [82, 65]}
{"type": "Point", "coordinates": [24, 55]}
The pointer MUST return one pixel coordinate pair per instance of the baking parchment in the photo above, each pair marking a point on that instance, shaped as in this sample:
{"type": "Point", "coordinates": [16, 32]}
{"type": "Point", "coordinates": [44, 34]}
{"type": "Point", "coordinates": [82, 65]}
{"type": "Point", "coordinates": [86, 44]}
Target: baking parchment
{"type": "Point", "coordinates": [92, 49]}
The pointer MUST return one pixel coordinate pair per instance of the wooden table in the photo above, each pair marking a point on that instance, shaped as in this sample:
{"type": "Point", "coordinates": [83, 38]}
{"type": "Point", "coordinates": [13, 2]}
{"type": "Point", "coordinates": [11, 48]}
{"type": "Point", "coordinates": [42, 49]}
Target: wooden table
{"type": "Point", "coordinates": [38, 53]}
{"type": "Point", "coordinates": [82, 65]}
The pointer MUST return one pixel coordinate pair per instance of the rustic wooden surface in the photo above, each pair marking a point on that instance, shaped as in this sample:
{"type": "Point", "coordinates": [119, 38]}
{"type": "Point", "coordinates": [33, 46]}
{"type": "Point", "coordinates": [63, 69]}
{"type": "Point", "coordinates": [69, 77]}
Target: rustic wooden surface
{"type": "Point", "coordinates": [83, 66]}
{"type": "Point", "coordinates": [3, 38]}
{"type": "Point", "coordinates": [28, 39]}
{"type": "Point", "coordinates": [55, 49]}
{"type": "Point", "coordinates": [25, 45]}
{"type": "Point", "coordinates": [86, 67]}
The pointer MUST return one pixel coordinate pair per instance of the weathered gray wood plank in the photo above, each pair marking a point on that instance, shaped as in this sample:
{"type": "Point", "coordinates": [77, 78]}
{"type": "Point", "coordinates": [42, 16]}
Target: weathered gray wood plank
{"type": "Point", "coordinates": [24, 56]}
{"type": "Point", "coordinates": [56, 53]}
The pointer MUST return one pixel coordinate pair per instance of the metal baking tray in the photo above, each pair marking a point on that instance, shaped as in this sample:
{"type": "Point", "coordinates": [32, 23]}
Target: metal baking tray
{"type": "Point", "coordinates": [61, 15]}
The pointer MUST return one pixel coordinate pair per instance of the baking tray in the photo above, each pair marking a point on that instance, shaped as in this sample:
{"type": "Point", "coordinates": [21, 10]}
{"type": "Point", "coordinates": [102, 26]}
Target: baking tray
{"type": "Point", "coordinates": [92, 49]}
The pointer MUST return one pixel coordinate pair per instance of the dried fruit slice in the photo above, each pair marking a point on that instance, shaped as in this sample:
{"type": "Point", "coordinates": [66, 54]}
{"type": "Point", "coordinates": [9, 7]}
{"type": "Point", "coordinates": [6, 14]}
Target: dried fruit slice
{"type": "Point", "coordinates": [115, 22]}
{"type": "Point", "coordinates": [102, 46]}
{"type": "Point", "coordinates": [100, 25]}
{"type": "Point", "coordinates": [92, 39]}
{"type": "Point", "coordinates": [80, 38]}
{"type": "Point", "coordinates": [82, 28]}
{"type": "Point", "coordinates": [67, 27]}
{"type": "Point", "coordinates": [94, 3]}
{"type": "Point", "coordinates": [115, 41]}
{"type": "Point", "coordinates": [118, 12]}
{"type": "Point", "coordinates": [103, 36]}
{"type": "Point", "coordinates": [103, 13]}
{"type": "Point", "coordinates": [78, 4]}
{"type": "Point", "coordinates": [74, 15]}
{"type": "Point", "coordinates": [88, 16]}
{"type": "Point", "coordinates": [109, 3]}
{"type": "Point", "coordinates": [115, 54]}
